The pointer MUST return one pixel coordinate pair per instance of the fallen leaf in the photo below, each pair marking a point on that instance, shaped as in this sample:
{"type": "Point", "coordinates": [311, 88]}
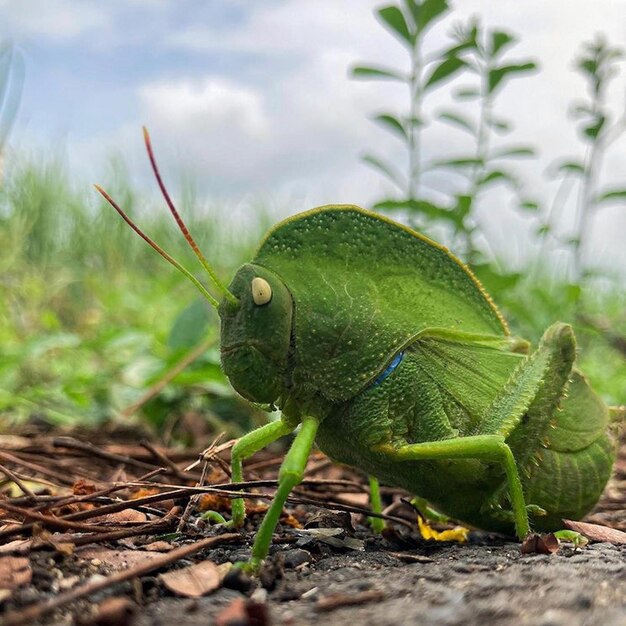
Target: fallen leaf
{"type": "Point", "coordinates": [192, 581]}
{"type": "Point", "coordinates": [83, 487]}
{"type": "Point", "coordinates": [242, 612]}
{"type": "Point", "coordinates": [214, 502]}
{"type": "Point", "coordinates": [595, 532]}
{"type": "Point", "coordinates": [540, 544]}
{"type": "Point", "coordinates": [116, 559]}
{"type": "Point", "coordinates": [290, 520]}
{"type": "Point", "coordinates": [458, 533]}
{"type": "Point", "coordinates": [143, 492]}
{"type": "Point", "coordinates": [14, 572]}
{"type": "Point", "coordinates": [114, 612]}
{"type": "Point", "coordinates": [18, 546]}
{"type": "Point", "coordinates": [159, 546]}
{"type": "Point", "coordinates": [122, 517]}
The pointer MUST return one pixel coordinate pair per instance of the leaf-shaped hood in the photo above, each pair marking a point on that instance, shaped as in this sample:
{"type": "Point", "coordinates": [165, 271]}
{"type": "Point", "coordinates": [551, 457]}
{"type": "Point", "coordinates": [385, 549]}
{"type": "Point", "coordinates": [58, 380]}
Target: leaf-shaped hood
{"type": "Point", "coordinates": [363, 287]}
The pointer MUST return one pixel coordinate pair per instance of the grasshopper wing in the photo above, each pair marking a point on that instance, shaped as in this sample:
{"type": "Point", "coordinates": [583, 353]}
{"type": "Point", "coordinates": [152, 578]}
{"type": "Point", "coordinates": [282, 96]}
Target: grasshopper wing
{"type": "Point", "coordinates": [364, 287]}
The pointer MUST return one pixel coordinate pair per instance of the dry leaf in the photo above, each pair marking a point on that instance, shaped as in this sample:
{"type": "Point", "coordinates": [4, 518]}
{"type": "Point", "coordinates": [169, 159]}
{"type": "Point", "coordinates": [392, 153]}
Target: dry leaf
{"type": "Point", "coordinates": [83, 487]}
{"type": "Point", "coordinates": [244, 611]}
{"type": "Point", "coordinates": [115, 612]}
{"type": "Point", "coordinates": [159, 546]}
{"type": "Point", "coordinates": [192, 581]}
{"type": "Point", "coordinates": [213, 502]}
{"type": "Point", "coordinates": [14, 572]}
{"type": "Point", "coordinates": [116, 559]}
{"type": "Point", "coordinates": [540, 544]}
{"type": "Point", "coordinates": [290, 520]}
{"type": "Point", "coordinates": [595, 532]}
{"type": "Point", "coordinates": [18, 546]}
{"type": "Point", "coordinates": [122, 517]}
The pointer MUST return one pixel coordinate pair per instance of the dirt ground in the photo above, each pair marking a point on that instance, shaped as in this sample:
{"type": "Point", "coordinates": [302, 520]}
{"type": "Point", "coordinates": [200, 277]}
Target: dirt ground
{"type": "Point", "coordinates": [466, 585]}
{"type": "Point", "coordinates": [112, 533]}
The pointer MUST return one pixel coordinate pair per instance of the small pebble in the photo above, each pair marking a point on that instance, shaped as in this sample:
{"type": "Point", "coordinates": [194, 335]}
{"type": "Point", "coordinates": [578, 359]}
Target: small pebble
{"type": "Point", "coordinates": [295, 557]}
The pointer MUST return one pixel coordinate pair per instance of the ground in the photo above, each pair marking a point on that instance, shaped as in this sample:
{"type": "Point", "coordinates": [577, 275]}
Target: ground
{"type": "Point", "coordinates": [111, 532]}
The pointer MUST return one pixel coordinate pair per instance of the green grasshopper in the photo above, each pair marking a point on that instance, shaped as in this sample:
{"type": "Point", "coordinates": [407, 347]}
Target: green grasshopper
{"type": "Point", "coordinates": [381, 347]}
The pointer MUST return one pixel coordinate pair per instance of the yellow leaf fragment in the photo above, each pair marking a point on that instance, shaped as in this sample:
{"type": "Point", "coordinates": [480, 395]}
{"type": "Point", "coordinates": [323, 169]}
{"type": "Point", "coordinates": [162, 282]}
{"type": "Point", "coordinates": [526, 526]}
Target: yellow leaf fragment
{"type": "Point", "coordinates": [458, 534]}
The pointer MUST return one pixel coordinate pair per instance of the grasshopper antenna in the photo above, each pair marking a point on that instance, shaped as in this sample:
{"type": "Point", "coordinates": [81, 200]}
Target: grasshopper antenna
{"type": "Point", "coordinates": [158, 248]}
{"type": "Point", "coordinates": [183, 228]}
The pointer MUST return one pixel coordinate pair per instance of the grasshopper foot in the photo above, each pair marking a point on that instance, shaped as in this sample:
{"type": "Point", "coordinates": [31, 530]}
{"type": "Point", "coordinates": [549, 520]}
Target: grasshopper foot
{"type": "Point", "coordinates": [573, 537]}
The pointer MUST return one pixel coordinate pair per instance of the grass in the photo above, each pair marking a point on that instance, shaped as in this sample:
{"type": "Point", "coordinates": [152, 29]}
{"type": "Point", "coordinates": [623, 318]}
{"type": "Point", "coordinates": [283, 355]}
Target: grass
{"type": "Point", "coordinates": [90, 317]}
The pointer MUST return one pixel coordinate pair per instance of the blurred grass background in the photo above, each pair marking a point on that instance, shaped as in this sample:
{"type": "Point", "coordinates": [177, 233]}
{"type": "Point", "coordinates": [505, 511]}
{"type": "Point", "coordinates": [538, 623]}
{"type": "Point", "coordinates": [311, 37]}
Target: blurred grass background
{"type": "Point", "coordinates": [95, 327]}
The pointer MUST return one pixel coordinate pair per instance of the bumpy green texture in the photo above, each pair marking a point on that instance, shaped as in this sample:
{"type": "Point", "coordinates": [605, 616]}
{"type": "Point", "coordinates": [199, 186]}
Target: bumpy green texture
{"type": "Point", "coordinates": [472, 420]}
{"type": "Point", "coordinates": [364, 288]}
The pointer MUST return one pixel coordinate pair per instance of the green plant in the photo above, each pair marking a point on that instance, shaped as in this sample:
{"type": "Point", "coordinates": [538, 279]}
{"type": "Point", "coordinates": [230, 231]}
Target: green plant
{"type": "Point", "coordinates": [473, 51]}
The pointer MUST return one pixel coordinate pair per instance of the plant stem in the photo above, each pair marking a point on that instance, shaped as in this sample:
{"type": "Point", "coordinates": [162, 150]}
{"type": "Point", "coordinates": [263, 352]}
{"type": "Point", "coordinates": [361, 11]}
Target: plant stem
{"type": "Point", "coordinates": [415, 116]}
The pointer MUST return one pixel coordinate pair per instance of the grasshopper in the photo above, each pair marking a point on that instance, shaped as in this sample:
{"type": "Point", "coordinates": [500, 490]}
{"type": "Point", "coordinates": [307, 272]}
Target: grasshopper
{"type": "Point", "coordinates": [381, 347]}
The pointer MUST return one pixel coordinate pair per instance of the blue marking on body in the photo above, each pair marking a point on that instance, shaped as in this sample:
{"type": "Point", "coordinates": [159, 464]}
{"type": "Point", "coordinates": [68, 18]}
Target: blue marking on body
{"type": "Point", "coordinates": [390, 368]}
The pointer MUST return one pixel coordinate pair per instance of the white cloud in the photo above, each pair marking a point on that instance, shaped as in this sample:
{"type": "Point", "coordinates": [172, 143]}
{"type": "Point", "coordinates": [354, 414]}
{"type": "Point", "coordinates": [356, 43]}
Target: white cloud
{"type": "Point", "coordinates": [54, 19]}
{"type": "Point", "coordinates": [204, 107]}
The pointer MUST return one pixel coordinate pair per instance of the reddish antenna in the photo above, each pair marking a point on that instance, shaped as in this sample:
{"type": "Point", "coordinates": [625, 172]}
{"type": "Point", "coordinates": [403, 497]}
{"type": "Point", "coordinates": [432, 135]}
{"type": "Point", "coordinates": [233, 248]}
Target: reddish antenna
{"type": "Point", "coordinates": [181, 223]}
{"type": "Point", "coordinates": [158, 248]}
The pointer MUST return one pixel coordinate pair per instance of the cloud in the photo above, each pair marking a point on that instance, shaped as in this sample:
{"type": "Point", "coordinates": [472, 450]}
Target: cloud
{"type": "Point", "coordinates": [57, 20]}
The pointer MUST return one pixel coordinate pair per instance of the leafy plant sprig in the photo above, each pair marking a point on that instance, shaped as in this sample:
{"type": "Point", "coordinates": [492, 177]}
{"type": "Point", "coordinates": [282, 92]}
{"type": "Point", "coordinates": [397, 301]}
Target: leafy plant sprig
{"type": "Point", "coordinates": [409, 22]}
{"type": "Point", "coordinates": [471, 50]}
{"type": "Point", "coordinates": [483, 51]}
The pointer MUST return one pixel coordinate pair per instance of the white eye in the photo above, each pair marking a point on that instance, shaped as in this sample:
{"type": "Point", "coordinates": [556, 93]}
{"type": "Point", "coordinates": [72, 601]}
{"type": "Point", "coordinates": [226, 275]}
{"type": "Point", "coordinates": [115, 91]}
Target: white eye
{"type": "Point", "coordinates": [261, 291]}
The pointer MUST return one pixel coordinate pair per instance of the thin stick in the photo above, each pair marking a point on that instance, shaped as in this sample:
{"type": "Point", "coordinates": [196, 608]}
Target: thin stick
{"type": "Point", "coordinates": [65, 479]}
{"type": "Point", "coordinates": [12, 476]}
{"type": "Point", "coordinates": [34, 612]}
{"type": "Point", "coordinates": [155, 246]}
{"type": "Point", "coordinates": [183, 228]}
{"type": "Point", "coordinates": [51, 522]}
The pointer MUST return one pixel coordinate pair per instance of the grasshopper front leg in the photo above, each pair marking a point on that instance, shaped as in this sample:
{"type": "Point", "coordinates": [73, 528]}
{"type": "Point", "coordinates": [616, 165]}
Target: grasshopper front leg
{"type": "Point", "coordinates": [290, 474]}
{"type": "Point", "coordinates": [246, 447]}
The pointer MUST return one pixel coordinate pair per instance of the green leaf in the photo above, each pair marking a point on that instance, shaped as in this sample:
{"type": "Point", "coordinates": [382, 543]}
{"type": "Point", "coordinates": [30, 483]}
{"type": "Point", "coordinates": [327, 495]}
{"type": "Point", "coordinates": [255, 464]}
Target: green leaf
{"type": "Point", "coordinates": [515, 151]}
{"type": "Point", "coordinates": [529, 205]}
{"type": "Point", "coordinates": [593, 130]}
{"type": "Point", "coordinates": [445, 69]}
{"type": "Point", "coordinates": [494, 176]}
{"type": "Point", "coordinates": [462, 209]}
{"type": "Point", "coordinates": [388, 170]}
{"type": "Point", "coordinates": [499, 41]}
{"type": "Point", "coordinates": [498, 74]}
{"type": "Point", "coordinates": [426, 13]}
{"type": "Point", "coordinates": [499, 125]}
{"type": "Point", "coordinates": [363, 71]}
{"type": "Point", "coordinates": [571, 167]}
{"type": "Point", "coordinates": [460, 162]}
{"type": "Point", "coordinates": [394, 18]}
{"type": "Point", "coordinates": [457, 120]}
{"type": "Point", "coordinates": [191, 326]}
{"type": "Point", "coordinates": [610, 196]}
{"type": "Point", "coordinates": [467, 93]}
{"type": "Point", "coordinates": [544, 229]}
{"type": "Point", "coordinates": [393, 124]}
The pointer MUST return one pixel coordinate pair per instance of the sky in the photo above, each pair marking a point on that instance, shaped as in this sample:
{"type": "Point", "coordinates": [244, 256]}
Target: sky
{"type": "Point", "coordinates": [254, 101]}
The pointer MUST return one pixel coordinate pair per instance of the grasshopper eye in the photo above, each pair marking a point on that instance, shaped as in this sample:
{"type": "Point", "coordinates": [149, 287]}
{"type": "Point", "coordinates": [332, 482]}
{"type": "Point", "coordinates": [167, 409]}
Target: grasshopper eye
{"type": "Point", "coordinates": [261, 291]}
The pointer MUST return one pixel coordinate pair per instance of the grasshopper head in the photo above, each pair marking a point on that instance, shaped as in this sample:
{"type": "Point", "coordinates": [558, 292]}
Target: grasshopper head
{"type": "Point", "coordinates": [256, 334]}
{"type": "Point", "coordinates": [256, 311]}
